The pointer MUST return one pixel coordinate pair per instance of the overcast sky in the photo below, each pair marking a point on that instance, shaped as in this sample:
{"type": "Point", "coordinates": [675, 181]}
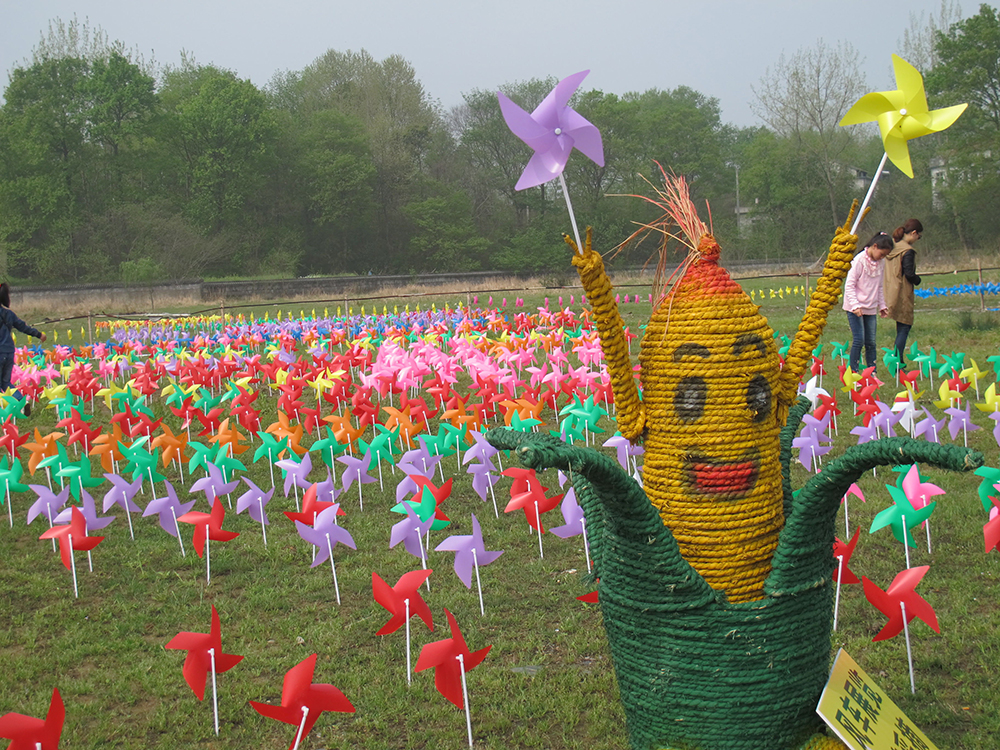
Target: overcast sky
{"type": "Point", "coordinates": [718, 47]}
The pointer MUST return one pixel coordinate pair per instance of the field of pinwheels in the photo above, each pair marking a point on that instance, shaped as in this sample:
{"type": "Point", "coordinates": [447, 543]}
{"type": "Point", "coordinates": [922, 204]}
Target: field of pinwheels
{"type": "Point", "coordinates": [281, 482]}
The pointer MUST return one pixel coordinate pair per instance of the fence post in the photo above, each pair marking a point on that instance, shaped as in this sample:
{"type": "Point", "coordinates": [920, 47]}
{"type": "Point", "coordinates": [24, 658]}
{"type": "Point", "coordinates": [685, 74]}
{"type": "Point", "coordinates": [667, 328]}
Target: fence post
{"type": "Point", "coordinates": [982, 297]}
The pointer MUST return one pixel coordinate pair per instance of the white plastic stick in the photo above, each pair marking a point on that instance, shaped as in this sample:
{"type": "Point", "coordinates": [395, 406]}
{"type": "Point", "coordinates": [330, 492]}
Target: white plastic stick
{"type": "Point", "coordinates": [301, 729]}
{"type": "Point", "coordinates": [906, 546]}
{"type": "Point", "coordinates": [927, 524]}
{"type": "Point", "coordinates": [538, 519]}
{"type": "Point", "coordinates": [586, 546]}
{"type": "Point", "coordinates": [128, 515]}
{"type": "Point", "coordinates": [333, 566]}
{"type": "Point", "coordinates": [263, 527]}
{"type": "Point", "coordinates": [10, 510]}
{"type": "Point", "coordinates": [836, 600]}
{"type": "Point", "coordinates": [215, 693]}
{"type": "Point", "coordinates": [868, 195]}
{"type": "Point", "coordinates": [579, 249]}
{"type": "Point", "coordinates": [479, 585]}
{"type": "Point", "coordinates": [177, 528]}
{"type": "Point", "coordinates": [406, 608]}
{"type": "Point", "coordinates": [909, 652]}
{"type": "Point", "coordinates": [208, 558]}
{"type": "Point", "coordinates": [72, 566]}
{"type": "Point", "coordinates": [847, 524]}
{"type": "Point", "coordinates": [465, 698]}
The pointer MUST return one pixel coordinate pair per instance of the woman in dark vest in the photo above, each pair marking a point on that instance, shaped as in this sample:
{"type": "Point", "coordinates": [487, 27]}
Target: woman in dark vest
{"type": "Point", "coordinates": [8, 322]}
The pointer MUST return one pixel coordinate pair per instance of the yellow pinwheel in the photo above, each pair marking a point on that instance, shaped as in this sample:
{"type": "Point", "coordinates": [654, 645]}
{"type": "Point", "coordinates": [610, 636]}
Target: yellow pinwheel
{"type": "Point", "coordinates": [902, 114]}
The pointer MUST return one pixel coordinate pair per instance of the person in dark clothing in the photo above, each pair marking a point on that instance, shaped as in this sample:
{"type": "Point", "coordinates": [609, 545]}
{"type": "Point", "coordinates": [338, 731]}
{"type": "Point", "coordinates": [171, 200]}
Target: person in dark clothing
{"type": "Point", "coordinates": [8, 322]}
{"type": "Point", "coordinates": [900, 278]}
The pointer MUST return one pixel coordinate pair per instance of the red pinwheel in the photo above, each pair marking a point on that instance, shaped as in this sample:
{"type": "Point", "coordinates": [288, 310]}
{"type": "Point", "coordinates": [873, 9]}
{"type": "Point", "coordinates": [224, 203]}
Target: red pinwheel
{"type": "Point", "coordinates": [393, 598]}
{"type": "Point", "coordinates": [208, 525]}
{"type": "Point", "coordinates": [302, 700]}
{"type": "Point", "coordinates": [991, 530]}
{"type": "Point", "coordinates": [900, 591]}
{"type": "Point", "coordinates": [29, 733]}
{"type": "Point", "coordinates": [199, 661]}
{"type": "Point", "coordinates": [843, 551]}
{"type": "Point", "coordinates": [450, 659]}
{"type": "Point", "coordinates": [72, 537]}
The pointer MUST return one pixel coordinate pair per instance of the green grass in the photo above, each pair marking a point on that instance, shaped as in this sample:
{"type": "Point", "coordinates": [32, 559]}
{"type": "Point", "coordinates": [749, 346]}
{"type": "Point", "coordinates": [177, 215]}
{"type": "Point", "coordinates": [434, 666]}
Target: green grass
{"type": "Point", "coordinates": [547, 683]}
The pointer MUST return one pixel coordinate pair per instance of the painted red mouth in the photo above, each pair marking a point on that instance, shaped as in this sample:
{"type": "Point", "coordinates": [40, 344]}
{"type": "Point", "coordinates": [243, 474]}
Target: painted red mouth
{"type": "Point", "coordinates": [722, 479]}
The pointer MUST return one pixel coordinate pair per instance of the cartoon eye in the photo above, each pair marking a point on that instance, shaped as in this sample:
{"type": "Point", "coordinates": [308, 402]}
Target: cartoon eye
{"type": "Point", "coordinates": [759, 398]}
{"type": "Point", "coordinates": [689, 403]}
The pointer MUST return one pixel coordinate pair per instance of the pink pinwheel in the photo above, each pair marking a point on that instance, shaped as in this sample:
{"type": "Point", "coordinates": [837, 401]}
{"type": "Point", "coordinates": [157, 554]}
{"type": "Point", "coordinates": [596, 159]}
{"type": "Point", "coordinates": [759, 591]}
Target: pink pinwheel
{"type": "Point", "coordinates": [470, 551]}
{"type": "Point", "coordinates": [302, 700]}
{"type": "Point", "coordinates": [450, 658]}
{"type": "Point", "coordinates": [991, 530]}
{"type": "Point", "coordinates": [325, 534]}
{"type": "Point", "coordinates": [29, 733]}
{"type": "Point", "coordinates": [552, 130]}
{"type": "Point", "coordinates": [199, 662]}
{"type": "Point", "coordinates": [901, 590]}
{"type": "Point", "coordinates": [393, 598]}
{"type": "Point", "coordinates": [917, 491]}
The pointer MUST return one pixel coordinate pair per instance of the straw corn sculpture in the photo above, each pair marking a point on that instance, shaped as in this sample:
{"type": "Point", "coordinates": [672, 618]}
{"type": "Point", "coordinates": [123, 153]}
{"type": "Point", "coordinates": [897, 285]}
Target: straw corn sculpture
{"type": "Point", "coordinates": [714, 582]}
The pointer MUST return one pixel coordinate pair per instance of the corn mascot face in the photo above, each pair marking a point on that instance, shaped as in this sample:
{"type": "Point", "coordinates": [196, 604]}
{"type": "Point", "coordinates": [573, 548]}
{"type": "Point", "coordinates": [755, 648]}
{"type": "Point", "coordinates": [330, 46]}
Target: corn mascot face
{"type": "Point", "coordinates": [709, 375]}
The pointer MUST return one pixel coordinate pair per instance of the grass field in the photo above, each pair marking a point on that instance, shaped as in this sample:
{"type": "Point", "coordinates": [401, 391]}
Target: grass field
{"type": "Point", "coordinates": [548, 681]}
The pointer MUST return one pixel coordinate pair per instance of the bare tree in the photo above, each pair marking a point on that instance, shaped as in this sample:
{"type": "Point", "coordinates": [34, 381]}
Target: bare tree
{"type": "Point", "coordinates": [804, 96]}
{"type": "Point", "coordinates": [917, 44]}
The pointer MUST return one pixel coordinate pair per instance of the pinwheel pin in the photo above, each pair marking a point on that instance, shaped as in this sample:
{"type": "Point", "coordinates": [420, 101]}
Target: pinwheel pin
{"type": "Point", "coordinates": [29, 733]}
{"type": "Point", "coordinates": [901, 603]}
{"type": "Point", "coordinates": [302, 700]}
{"type": "Point", "coordinates": [450, 658]}
{"type": "Point", "coordinates": [403, 601]}
{"type": "Point", "coordinates": [901, 115]}
{"type": "Point", "coordinates": [204, 655]}
{"type": "Point", "coordinates": [553, 130]}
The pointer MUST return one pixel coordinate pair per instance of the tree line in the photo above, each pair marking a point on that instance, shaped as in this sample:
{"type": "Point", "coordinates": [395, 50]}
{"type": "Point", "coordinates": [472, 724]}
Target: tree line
{"type": "Point", "coordinates": [113, 169]}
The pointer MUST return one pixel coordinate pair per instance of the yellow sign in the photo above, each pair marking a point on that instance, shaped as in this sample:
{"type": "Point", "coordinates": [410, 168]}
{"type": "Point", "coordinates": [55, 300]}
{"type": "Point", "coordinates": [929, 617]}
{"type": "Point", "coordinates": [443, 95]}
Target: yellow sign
{"type": "Point", "coordinates": [862, 715]}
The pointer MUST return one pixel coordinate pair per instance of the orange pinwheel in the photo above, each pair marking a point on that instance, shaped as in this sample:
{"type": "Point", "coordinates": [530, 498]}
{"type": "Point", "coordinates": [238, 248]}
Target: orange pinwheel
{"type": "Point", "coordinates": [173, 445]}
{"type": "Point", "coordinates": [42, 448]}
{"type": "Point", "coordinates": [108, 447]}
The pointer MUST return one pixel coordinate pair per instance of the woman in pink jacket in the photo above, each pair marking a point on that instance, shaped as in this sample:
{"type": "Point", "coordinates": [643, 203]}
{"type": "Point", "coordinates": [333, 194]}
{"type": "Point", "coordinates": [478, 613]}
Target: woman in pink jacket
{"type": "Point", "coordinates": [864, 298]}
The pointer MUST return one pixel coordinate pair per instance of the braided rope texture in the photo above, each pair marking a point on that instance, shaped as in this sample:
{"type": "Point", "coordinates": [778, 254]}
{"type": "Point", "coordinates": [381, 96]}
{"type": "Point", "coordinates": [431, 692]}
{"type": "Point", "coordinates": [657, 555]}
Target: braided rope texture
{"type": "Point", "coordinates": [695, 671]}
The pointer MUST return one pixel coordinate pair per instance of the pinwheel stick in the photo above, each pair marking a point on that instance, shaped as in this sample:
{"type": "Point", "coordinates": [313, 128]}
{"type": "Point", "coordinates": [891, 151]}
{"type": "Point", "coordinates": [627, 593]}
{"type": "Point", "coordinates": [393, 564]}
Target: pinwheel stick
{"type": "Point", "coordinates": [576, 231]}
{"type": "Point", "coordinates": [479, 585]}
{"type": "Point", "coordinates": [906, 547]}
{"type": "Point", "coordinates": [409, 670]}
{"type": "Point", "coordinates": [868, 195]}
{"type": "Point", "coordinates": [333, 566]}
{"type": "Point", "coordinates": [208, 558]}
{"type": "Point", "coordinates": [177, 528]}
{"type": "Point", "coordinates": [215, 694]}
{"type": "Point", "coordinates": [263, 527]}
{"type": "Point", "coordinates": [586, 546]}
{"type": "Point", "coordinates": [302, 726]}
{"type": "Point", "coordinates": [836, 600]}
{"type": "Point", "coordinates": [538, 519]}
{"type": "Point", "coordinates": [465, 697]}
{"type": "Point", "coordinates": [10, 510]}
{"type": "Point", "coordinates": [72, 565]}
{"type": "Point", "coordinates": [909, 652]}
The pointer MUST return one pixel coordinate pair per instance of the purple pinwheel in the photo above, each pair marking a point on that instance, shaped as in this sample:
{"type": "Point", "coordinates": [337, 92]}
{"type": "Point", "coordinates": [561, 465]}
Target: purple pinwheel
{"type": "Point", "coordinates": [809, 442]}
{"type": "Point", "coordinates": [296, 473]}
{"type": "Point", "coordinates": [326, 490]}
{"type": "Point", "coordinates": [961, 420]}
{"type": "Point", "coordinates": [214, 485]}
{"type": "Point", "coordinates": [552, 130]}
{"type": "Point", "coordinates": [885, 420]}
{"type": "Point", "coordinates": [573, 516]}
{"type": "Point", "coordinates": [89, 511]}
{"type": "Point", "coordinates": [410, 532]}
{"type": "Point", "coordinates": [865, 434]}
{"type": "Point", "coordinates": [254, 500]}
{"type": "Point", "coordinates": [419, 462]}
{"type": "Point", "coordinates": [470, 552]}
{"type": "Point", "coordinates": [356, 470]}
{"type": "Point", "coordinates": [929, 428]}
{"type": "Point", "coordinates": [325, 534]}
{"type": "Point", "coordinates": [48, 502]}
{"type": "Point", "coordinates": [481, 450]}
{"type": "Point", "coordinates": [995, 416]}
{"type": "Point", "coordinates": [483, 479]}
{"type": "Point", "coordinates": [169, 509]}
{"type": "Point", "coordinates": [621, 445]}
{"type": "Point", "coordinates": [121, 493]}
